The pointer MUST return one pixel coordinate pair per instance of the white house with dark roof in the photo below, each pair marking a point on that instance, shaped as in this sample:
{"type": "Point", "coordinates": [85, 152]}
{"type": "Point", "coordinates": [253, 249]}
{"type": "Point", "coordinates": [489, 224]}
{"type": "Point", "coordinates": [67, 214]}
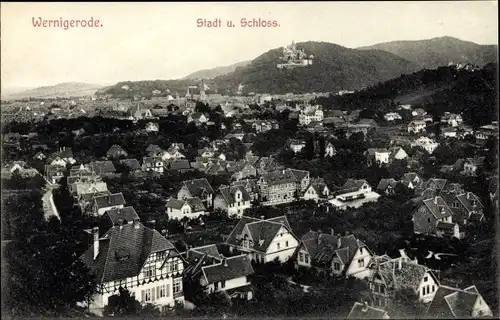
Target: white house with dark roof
{"type": "Point", "coordinates": [455, 303]}
{"type": "Point", "coordinates": [234, 200]}
{"type": "Point", "coordinates": [386, 186]}
{"type": "Point", "coordinates": [138, 259]}
{"type": "Point", "coordinates": [191, 208]}
{"type": "Point", "coordinates": [61, 158]}
{"type": "Point", "coordinates": [334, 254]}
{"type": "Point", "coordinates": [425, 143]}
{"type": "Point", "coordinates": [153, 164]}
{"type": "Point", "coordinates": [387, 276]}
{"type": "Point", "coordinates": [378, 155]}
{"type": "Point", "coordinates": [353, 193]}
{"type": "Point", "coordinates": [416, 126]}
{"type": "Point", "coordinates": [103, 203]}
{"type": "Point", "coordinates": [54, 173]}
{"type": "Point", "coordinates": [434, 216]}
{"type": "Point", "coordinates": [317, 191]}
{"type": "Point", "coordinates": [412, 179]}
{"type": "Point", "coordinates": [364, 311]}
{"type": "Point", "coordinates": [216, 273]}
{"type": "Point", "coordinates": [264, 240]}
{"type": "Point", "coordinates": [200, 188]}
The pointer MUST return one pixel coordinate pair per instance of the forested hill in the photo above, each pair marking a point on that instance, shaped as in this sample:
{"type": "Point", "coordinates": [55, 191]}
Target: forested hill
{"type": "Point", "coordinates": [334, 68]}
{"type": "Point", "coordinates": [472, 93]}
{"type": "Point", "coordinates": [437, 52]}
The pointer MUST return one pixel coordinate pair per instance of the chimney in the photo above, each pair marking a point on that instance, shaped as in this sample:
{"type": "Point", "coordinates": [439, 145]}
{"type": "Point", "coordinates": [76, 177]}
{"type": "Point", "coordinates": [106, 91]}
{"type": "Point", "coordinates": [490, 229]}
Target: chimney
{"type": "Point", "coordinates": [332, 232]}
{"type": "Point", "coordinates": [262, 217]}
{"type": "Point", "coordinates": [119, 222]}
{"type": "Point", "coordinates": [339, 242]}
{"type": "Point", "coordinates": [95, 233]}
{"type": "Point", "coordinates": [468, 195]}
{"type": "Point", "coordinates": [400, 263]}
{"type": "Point", "coordinates": [435, 200]}
{"type": "Point", "coordinates": [224, 261]}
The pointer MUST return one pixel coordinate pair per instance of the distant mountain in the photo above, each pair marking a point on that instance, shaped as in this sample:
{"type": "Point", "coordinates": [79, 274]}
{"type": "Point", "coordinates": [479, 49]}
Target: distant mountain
{"type": "Point", "coordinates": [66, 90]}
{"type": "Point", "coordinates": [215, 72]}
{"type": "Point", "coordinates": [436, 52]}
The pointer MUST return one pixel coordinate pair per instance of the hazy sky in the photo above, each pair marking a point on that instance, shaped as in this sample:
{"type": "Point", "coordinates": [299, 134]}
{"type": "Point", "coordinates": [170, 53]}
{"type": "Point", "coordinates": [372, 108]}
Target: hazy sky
{"type": "Point", "coordinates": [147, 41]}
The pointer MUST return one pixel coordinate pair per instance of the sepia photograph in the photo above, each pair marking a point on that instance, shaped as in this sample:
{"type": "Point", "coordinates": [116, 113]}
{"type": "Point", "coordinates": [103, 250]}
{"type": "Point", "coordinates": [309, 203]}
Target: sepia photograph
{"type": "Point", "coordinates": [250, 160]}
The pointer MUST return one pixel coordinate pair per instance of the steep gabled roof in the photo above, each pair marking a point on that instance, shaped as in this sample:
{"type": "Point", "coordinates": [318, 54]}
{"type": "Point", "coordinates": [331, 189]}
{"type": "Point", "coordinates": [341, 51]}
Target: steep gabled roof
{"type": "Point", "coordinates": [229, 194]}
{"type": "Point", "coordinates": [261, 231]}
{"type": "Point", "coordinates": [123, 250]}
{"type": "Point", "coordinates": [438, 207]}
{"type": "Point", "coordinates": [109, 200]}
{"type": "Point", "coordinates": [227, 269]}
{"type": "Point", "coordinates": [453, 302]}
{"type": "Point", "coordinates": [102, 167]}
{"type": "Point", "coordinates": [197, 186]}
{"type": "Point", "coordinates": [127, 214]}
{"type": "Point", "coordinates": [470, 201]}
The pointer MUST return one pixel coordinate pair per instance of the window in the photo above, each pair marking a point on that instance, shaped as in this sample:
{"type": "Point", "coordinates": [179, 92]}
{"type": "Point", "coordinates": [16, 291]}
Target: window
{"type": "Point", "coordinates": [175, 266]}
{"type": "Point", "coordinates": [177, 285]}
{"type": "Point", "coordinates": [161, 292]}
{"type": "Point", "coordinates": [426, 278]}
{"type": "Point", "coordinates": [149, 272]}
{"type": "Point", "coordinates": [146, 295]}
{"type": "Point", "coordinates": [336, 266]}
{"type": "Point", "coordinates": [223, 284]}
{"type": "Point", "coordinates": [278, 246]}
{"type": "Point", "coordinates": [286, 244]}
{"type": "Point", "coordinates": [433, 288]}
{"type": "Point", "coordinates": [423, 291]}
{"type": "Point", "coordinates": [360, 250]}
{"type": "Point", "coordinates": [161, 255]}
{"type": "Point", "coordinates": [361, 263]}
{"type": "Point", "coordinates": [306, 258]}
{"type": "Point", "coordinates": [301, 257]}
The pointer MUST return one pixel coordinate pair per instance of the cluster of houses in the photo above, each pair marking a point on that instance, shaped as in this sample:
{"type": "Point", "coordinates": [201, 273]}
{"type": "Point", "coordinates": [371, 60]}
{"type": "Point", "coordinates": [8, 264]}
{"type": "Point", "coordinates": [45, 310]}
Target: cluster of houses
{"type": "Point", "coordinates": [443, 209]}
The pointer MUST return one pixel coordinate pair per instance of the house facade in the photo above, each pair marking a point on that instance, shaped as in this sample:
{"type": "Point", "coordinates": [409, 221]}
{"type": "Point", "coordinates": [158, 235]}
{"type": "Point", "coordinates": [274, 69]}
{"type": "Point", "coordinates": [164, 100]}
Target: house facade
{"type": "Point", "coordinates": [334, 254]}
{"type": "Point", "coordinates": [391, 275]}
{"type": "Point", "coordinates": [353, 194]}
{"type": "Point", "coordinates": [191, 208]}
{"type": "Point", "coordinates": [264, 240]}
{"type": "Point", "coordinates": [148, 266]}
{"type": "Point", "coordinates": [200, 188]}
{"type": "Point", "coordinates": [233, 200]}
{"type": "Point", "coordinates": [416, 126]}
{"type": "Point", "coordinates": [153, 164]}
{"type": "Point", "coordinates": [433, 216]}
{"type": "Point", "coordinates": [317, 191]}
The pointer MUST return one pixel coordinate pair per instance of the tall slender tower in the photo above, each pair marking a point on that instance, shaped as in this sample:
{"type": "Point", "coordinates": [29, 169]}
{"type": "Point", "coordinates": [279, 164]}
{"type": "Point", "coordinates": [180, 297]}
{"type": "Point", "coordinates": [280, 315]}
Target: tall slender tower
{"type": "Point", "coordinates": [203, 97]}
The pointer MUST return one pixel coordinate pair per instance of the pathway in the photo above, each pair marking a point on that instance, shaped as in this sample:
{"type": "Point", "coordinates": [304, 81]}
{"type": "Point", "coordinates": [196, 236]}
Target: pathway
{"type": "Point", "coordinates": [304, 287]}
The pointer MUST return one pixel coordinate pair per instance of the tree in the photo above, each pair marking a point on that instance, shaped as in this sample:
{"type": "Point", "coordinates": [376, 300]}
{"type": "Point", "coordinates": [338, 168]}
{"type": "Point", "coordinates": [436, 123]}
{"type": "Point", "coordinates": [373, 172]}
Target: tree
{"type": "Point", "coordinates": [45, 275]}
{"type": "Point", "coordinates": [124, 304]}
{"type": "Point", "coordinates": [309, 149]}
